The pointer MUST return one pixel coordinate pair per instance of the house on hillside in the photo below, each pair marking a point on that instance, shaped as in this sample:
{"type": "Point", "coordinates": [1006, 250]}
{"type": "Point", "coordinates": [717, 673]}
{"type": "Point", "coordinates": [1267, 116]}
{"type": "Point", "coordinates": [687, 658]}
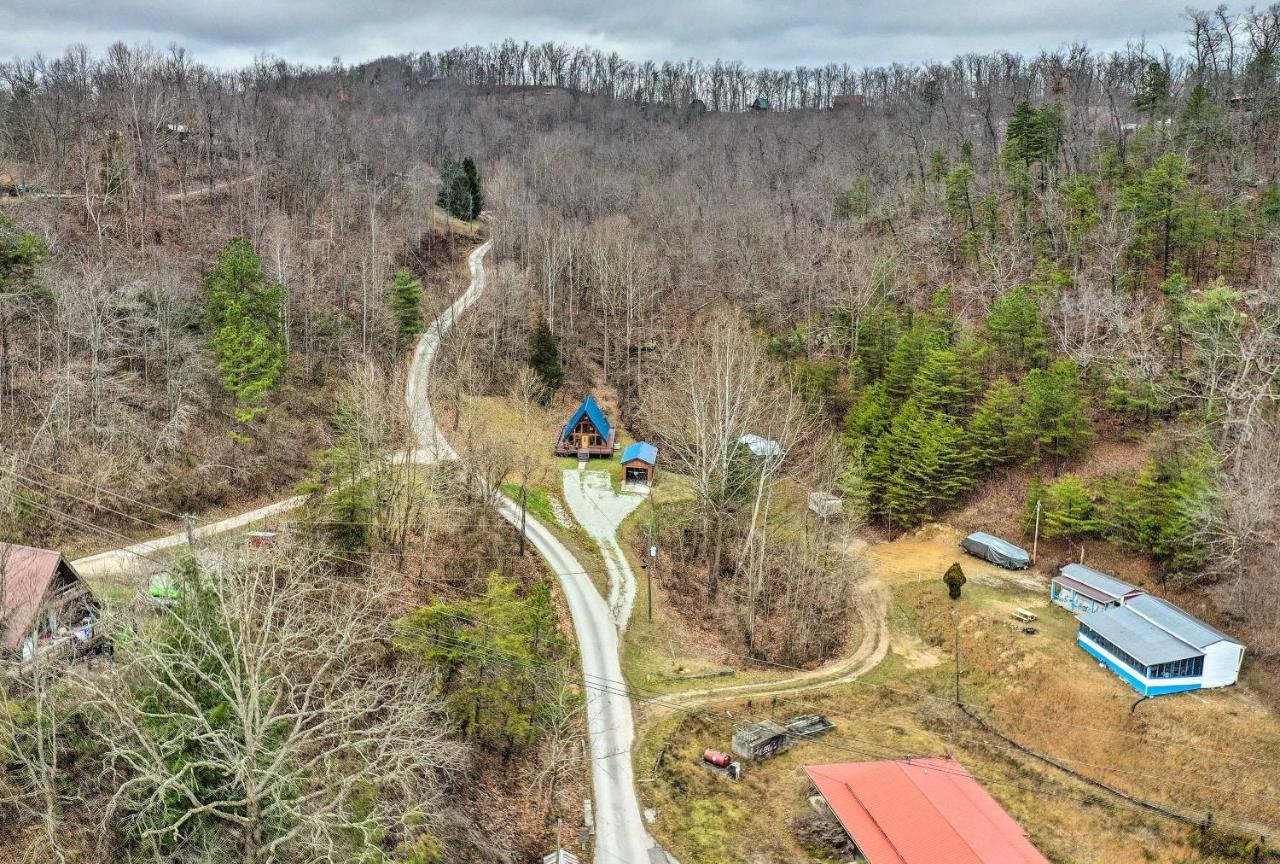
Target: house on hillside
{"type": "Point", "coordinates": [1082, 589]}
{"type": "Point", "coordinates": [587, 433]}
{"type": "Point", "coordinates": [43, 603]}
{"type": "Point", "coordinates": [638, 463]}
{"type": "Point", "coordinates": [1157, 648]}
{"type": "Point", "coordinates": [921, 811]}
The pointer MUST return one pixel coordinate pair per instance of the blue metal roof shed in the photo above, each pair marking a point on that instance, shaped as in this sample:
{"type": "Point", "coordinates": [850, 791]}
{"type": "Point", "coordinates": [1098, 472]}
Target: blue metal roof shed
{"type": "Point", "coordinates": [642, 450]}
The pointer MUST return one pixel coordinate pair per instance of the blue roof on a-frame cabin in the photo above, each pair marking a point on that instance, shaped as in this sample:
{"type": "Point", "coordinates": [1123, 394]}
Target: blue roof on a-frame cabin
{"type": "Point", "coordinates": [642, 450]}
{"type": "Point", "coordinates": [594, 414]}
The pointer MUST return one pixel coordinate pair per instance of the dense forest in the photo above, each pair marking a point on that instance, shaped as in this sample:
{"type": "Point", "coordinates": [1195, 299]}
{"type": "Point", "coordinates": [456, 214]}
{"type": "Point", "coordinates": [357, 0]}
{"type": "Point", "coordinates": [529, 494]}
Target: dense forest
{"type": "Point", "coordinates": [921, 281]}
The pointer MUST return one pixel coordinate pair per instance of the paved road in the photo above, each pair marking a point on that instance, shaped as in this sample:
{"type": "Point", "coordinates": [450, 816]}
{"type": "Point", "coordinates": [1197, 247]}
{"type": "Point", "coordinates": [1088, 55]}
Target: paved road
{"type": "Point", "coordinates": [621, 837]}
{"type": "Point", "coordinates": [138, 558]}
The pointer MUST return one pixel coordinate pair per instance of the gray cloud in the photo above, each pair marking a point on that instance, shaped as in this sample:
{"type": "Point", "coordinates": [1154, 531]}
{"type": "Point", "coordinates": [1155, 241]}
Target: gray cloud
{"type": "Point", "coordinates": [758, 32]}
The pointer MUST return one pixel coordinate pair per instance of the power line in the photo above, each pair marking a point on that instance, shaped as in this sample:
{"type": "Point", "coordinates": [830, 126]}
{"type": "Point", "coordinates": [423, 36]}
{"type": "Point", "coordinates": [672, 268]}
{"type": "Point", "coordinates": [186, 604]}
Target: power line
{"type": "Point", "coordinates": [605, 685]}
{"type": "Point", "coordinates": [93, 486]}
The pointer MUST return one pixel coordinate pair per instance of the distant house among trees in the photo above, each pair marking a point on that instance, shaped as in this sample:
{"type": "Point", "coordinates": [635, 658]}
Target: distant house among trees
{"type": "Point", "coordinates": [761, 103]}
{"type": "Point", "coordinates": [43, 602]}
{"type": "Point", "coordinates": [587, 432]}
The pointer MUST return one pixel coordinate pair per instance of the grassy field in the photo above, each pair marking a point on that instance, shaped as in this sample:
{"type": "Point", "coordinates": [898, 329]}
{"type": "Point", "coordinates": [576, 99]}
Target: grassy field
{"type": "Point", "coordinates": [1198, 753]}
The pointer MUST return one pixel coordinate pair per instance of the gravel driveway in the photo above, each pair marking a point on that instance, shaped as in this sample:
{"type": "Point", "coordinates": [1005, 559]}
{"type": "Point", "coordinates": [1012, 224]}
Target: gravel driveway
{"type": "Point", "coordinates": [600, 510]}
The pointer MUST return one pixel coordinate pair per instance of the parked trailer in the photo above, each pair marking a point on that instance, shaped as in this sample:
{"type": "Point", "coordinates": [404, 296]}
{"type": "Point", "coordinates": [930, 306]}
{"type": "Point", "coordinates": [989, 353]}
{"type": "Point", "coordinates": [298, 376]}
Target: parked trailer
{"type": "Point", "coordinates": [1002, 553]}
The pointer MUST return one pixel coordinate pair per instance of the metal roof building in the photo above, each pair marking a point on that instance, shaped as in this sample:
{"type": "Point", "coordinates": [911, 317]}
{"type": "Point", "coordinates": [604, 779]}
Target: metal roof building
{"type": "Point", "coordinates": [587, 432]}
{"type": "Point", "coordinates": [638, 463]}
{"type": "Point", "coordinates": [641, 451]}
{"type": "Point", "coordinates": [1157, 648]}
{"type": "Point", "coordinates": [921, 811]}
{"type": "Point", "coordinates": [1083, 589]}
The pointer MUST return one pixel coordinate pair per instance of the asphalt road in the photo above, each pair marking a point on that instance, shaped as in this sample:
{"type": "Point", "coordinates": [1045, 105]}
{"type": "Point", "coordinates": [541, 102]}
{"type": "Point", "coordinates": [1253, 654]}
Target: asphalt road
{"type": "Point", "coordinates": [621, 837]}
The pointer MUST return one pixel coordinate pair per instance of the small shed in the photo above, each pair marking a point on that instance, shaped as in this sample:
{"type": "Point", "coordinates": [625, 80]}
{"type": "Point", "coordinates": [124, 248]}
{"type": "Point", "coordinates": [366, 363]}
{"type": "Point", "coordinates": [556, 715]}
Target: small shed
{"type": "Point", "coordinates": [638, 463]}
{"type": "Point", "coordinates": [756, 741]}
{"type": "Point", "coordinates": [587, 433]}
{"type": "Point", "coordinates": [761, 103]}
{"type": "Point", "coordinates": [260, 540]}
{"type": "Point", "coordinates": [824, 505]}
{"type": "Point", "coordinates": [43, 602]}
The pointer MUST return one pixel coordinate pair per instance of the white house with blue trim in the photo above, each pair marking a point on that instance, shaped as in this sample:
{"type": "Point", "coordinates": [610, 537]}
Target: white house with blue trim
{"type": "Point", "coordinates": [1157, 648]}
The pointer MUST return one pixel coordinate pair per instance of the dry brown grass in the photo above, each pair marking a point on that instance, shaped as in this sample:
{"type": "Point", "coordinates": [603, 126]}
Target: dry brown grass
{"type": "Point", "coordinates": [1210, 752]}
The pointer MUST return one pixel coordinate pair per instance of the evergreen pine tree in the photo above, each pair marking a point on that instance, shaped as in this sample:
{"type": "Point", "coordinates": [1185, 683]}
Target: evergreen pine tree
{"type": "Point", "coordinates": [475, 196]}
{"type": "Point", "coordinates": [1068, 509]}
{"type": "Point", "coordinates": [870, 416]}
{"type": "Point", "coordinates": [544, 357]}
{"type": "Point", "coordinates": [1016, 331]}
{"type": "Point", "coordinates": [246, 321]}
{"type": "Point", "coordinates": [405, 295]}
{"type": "Point", "coordinates": [920, 466]}
{"type": "Point", "coordinates": [1053, 420]}
{"type": "Point", "coordinates": [994, 432]}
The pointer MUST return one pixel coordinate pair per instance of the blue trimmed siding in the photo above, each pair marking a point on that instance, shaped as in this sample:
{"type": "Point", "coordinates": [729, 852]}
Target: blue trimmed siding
{"type": "Point", "coordinates": [1130, 678]}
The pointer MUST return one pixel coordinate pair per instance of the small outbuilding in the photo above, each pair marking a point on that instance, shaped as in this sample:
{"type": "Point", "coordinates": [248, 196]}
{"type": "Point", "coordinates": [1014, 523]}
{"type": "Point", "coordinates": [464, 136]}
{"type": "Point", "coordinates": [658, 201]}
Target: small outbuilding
{"type": "Point", "coordinates": [1083, 589]}
{"type": "Point", "coordinates": [638, 463]}
{"type": "Point", "coordinates": [824, 505]}
{"type": "Point", "coordinates": [761, 103]}
{"type": "Point", "coordinates": [756, 741]}
{"type": "Point", "coordinates": [586, 434]}
{"type": "Point", "coordinates": [43, 603]}
{"type": "Point", "coordinates": [1002, 553]}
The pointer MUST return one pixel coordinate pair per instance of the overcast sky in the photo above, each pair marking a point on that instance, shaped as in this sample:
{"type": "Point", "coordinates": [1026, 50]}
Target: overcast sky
{"type": "Point", "coordinates": [758, 32]}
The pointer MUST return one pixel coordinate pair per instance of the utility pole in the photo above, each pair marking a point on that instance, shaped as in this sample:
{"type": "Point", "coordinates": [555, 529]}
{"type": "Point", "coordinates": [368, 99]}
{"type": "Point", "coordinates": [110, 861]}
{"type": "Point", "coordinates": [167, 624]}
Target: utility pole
{"type": "Point", "coordinates": [653, 562]}
{"type": "Point", "coordinates": [653, 554]}
{"type": "Point", "coordinates": [955, 618]}
{"type": "Point", "coordinates": [1035, 543]}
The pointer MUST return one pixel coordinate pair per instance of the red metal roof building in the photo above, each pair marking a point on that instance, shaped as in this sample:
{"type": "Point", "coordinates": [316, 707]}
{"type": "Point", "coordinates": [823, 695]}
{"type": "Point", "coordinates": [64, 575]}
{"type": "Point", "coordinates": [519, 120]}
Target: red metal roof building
{"type": "Point", "coordinates": [921, 811]}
